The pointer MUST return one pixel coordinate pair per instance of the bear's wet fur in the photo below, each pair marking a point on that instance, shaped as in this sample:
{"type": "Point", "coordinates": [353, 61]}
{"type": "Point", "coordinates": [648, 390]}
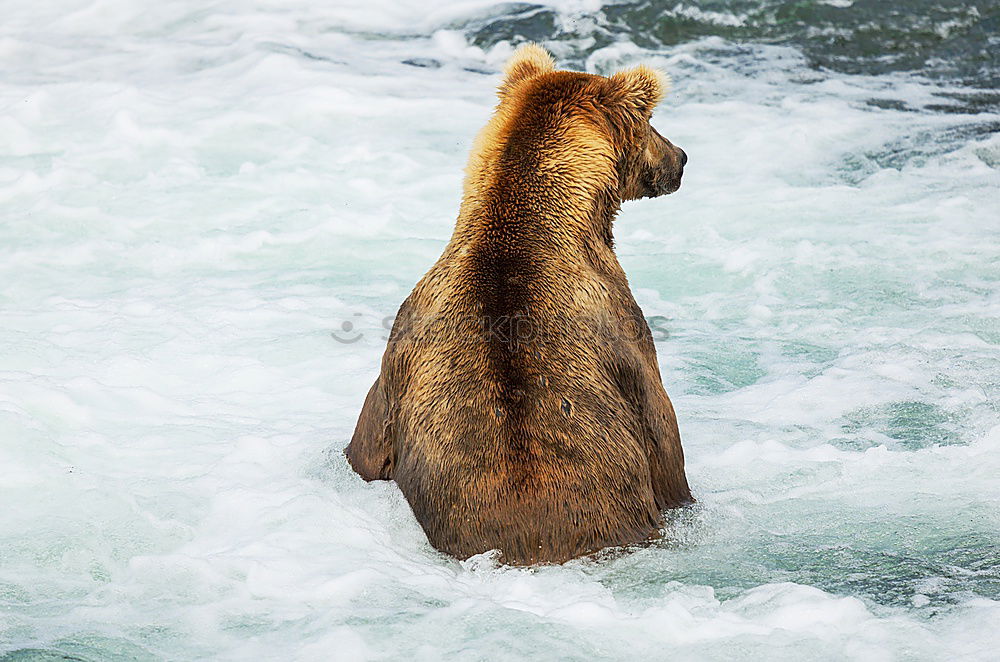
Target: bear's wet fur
{"type": "Point", "coordinates": [519, 405]}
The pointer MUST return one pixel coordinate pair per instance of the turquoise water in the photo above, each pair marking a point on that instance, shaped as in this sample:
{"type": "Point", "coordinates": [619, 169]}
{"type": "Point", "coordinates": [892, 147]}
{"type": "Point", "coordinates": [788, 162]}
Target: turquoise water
{"type": "Point", "coordinates": [209, 212]}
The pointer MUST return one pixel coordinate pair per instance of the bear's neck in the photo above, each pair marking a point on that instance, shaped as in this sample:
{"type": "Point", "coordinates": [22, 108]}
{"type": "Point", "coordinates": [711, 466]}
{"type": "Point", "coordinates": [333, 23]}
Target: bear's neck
{"type": "Point", "coordinates": [551, 205]}
{"type": "Point", "coordinates": [536, 216]}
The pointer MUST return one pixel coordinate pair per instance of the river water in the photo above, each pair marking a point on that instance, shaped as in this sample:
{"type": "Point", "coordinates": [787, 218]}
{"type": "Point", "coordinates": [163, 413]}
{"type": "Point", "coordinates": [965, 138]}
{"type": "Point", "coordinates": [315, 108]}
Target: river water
{"type": "Point", "coordinates": [209, 210]}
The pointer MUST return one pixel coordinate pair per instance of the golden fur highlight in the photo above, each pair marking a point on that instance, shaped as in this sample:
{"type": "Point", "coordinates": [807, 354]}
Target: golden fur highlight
{"type": "Point", "coordinates": [528, 61]}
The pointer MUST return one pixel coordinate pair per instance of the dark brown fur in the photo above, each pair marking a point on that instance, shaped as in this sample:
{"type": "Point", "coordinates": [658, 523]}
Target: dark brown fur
{"type": "Point", "coordinates": [519, 405]}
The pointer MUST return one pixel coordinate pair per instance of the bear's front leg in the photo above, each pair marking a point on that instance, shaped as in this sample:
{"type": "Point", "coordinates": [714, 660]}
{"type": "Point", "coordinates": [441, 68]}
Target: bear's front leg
{"type": "Point", "coordinates": [370, 450]}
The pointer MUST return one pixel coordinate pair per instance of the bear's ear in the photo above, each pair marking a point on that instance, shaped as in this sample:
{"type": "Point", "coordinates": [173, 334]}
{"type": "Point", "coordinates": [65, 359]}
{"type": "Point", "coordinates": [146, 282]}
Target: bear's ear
{"type": "Point", "coordinates": [639, 89]}
{"type": "Point", "coordinates": [528, 61]}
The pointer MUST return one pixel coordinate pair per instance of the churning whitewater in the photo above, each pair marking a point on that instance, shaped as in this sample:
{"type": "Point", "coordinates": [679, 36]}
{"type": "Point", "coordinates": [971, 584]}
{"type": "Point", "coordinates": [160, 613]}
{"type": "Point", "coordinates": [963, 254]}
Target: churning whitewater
{"type": "Point", "coordinates": [210, 214]}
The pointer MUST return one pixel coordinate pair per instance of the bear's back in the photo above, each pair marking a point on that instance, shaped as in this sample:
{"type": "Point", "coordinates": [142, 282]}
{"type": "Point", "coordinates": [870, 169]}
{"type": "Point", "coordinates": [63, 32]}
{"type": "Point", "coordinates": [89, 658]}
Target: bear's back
{"type": "Point", "coordinates": [513, 425]}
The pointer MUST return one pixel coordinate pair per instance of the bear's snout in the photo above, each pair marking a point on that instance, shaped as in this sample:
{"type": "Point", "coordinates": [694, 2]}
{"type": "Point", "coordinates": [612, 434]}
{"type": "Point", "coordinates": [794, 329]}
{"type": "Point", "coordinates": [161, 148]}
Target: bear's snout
{"type": "Point", "coordinates": [665, 168]}
{"type": "Point", "coordinates": [665, 177]}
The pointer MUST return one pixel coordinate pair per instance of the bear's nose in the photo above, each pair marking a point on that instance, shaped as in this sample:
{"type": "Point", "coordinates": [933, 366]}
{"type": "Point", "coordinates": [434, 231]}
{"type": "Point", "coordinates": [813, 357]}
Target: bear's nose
{"type": "Point", "coordinates": [684, 158]}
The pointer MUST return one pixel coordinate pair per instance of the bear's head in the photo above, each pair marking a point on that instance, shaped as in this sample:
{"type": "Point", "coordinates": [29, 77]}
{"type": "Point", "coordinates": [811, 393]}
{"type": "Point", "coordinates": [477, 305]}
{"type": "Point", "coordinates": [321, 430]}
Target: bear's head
{"type": "Point", "coordinates": [594, 115]}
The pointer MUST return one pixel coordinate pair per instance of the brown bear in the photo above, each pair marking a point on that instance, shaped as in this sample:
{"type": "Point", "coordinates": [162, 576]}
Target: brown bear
{"type": "Point", "coordinates": [519, 406]}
